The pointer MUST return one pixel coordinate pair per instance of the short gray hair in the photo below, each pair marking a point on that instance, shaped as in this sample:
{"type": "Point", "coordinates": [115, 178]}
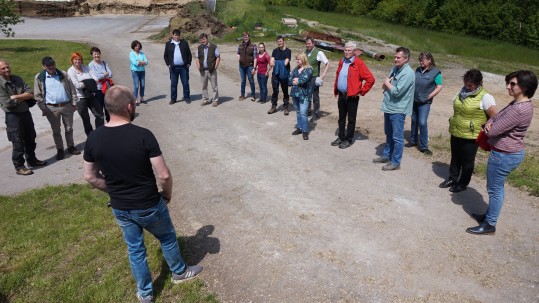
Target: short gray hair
{"type": "Point", "coordinates": [350, 44]}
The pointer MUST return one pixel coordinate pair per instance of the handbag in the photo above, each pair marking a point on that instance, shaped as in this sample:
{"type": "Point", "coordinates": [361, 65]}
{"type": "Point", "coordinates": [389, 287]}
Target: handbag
{"type": "Point", "coordinates": [482, 141]}
{"type": "Point", "coordinates": [106, 84]}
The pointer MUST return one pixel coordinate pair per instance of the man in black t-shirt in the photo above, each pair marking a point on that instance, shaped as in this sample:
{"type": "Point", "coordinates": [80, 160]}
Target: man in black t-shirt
{"type": "Point", "coordinates": [119, 159]}
{"type": "Point", "coordinates": [280, 61]}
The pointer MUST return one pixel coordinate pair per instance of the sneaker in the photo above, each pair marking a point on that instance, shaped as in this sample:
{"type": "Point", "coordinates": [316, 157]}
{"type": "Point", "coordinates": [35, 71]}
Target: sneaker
{"type": "Point", "coordinates": [391, 166]}
{"type": "Point", "coordinates": [380, 160]}
{"type": "Point", "coordinates": [23, 171]}
{"type": "Point", "coordinates": [344, 144]}
{"type": "Point", "coordinates": [410, 144]}
{"type": "Point", "coordinates": [188, 274]}
{"type": "Point", "coordinates": [205, 102]}
{"type": "Point", "coordinates": [261, 101]}
{"type": "Point", "coordinates": [241, 98]}
{"type": "Point", "coordinates": [59, 154]}
{"type": "Point", "coordinates": [148, 299]}
{"type": "Point", "coordinates": [426, 152]}
{"type": "Point", "coordinates": [285, 111]}
{"type": "Point", "coordinates": [172, 102]}
{"type": "Point", "coordinates": [305, 136]}
{"type": "Point", "coordinates": [35, 162]}
{"type": "Point", "coordinates": [336, 142]}
{"type": "Point", "coordinates": [272, 110]}
{"type": "Point", "coordinates": [296, 132]}
{"type": "Point", "coordinates": [73, 150]}
{"type": "Point", "coordinates": [215, 103]}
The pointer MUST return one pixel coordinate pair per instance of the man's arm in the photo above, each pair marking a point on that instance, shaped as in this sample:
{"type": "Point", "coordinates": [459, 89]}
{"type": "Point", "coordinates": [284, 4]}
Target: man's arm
{"type": "Point", "coordinates": [163, 175]}
{"type": "Point", "coordinates": [93, 176]}
{"type": "Point", "coordinates": [217, 61]}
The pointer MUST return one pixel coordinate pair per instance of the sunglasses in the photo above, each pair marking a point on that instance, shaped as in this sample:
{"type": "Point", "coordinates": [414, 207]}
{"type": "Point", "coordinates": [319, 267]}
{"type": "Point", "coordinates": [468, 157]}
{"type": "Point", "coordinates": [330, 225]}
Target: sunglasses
{"type": "Point", "coordinates": [513, 84]}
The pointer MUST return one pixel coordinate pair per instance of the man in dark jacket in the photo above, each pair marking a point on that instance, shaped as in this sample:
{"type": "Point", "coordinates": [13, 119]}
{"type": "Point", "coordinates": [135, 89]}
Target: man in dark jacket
{"type": "Point", "coordinates": [178, 59]}
{"type": "Point", "coordinates": [14, 100]}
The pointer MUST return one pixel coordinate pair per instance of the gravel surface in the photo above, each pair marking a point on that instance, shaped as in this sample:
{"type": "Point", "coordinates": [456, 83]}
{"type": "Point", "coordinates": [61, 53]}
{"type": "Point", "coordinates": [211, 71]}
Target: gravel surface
{"type": "Point", "coordinates": [274, 218]}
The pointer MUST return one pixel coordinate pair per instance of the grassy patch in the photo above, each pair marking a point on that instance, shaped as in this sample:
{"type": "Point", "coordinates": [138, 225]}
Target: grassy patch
{"type": "Point", "coordinates": [24, 56]}
{"type": "Point", "coordinates": [62, 244]}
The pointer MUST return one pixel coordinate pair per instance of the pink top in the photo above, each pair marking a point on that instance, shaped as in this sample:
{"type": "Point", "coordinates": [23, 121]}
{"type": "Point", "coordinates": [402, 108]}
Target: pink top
{"type": "Point", "coordinates": [262, 63]}
{"type": "Point", "coordinates": [509, 127]}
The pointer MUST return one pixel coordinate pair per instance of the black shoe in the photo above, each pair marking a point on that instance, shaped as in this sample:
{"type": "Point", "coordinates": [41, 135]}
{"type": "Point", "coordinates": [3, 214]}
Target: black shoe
{"type": "Point", "coordinates": [479, 218]}
{"type": "Point", "coordinates": [296, 132]}
{"type": "Point", "coordinates": [457, 188]}
{"type": "Point", "coordinates": [309, 112]}
{"type": "Point", "coordinates": [483, 229]}
{"type": "Point", "coordinates": [426, 152]}
{"type": "Point", "coordinates": [23, 171]}
{"type": "Point", "coordinates": [172, 102]}
{"type": "Point", "coordinates": [305, 136]}
{"type": "Point", "coordinates": [344, 144]}
{"type": "Point", "coordinates": [60, 154]}
{"type": "Point", "coordinates": [447, 183]}
{"type": "Point", "coordinates": [35, 162]}
{"type": "Point", "coordinates": [73, 150]}
{"type": "Point", "coordinates": [336, 142]}
{"type": "Point", "coordinates": [188, 101]}
{"type": "Point", "coordinates": [410, 144]}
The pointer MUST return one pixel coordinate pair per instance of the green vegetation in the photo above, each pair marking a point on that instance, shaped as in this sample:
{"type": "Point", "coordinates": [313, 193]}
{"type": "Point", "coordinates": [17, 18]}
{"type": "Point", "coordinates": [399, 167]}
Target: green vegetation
{"type": "Point", "coordinates": [62, 244]}
{"type": "Point", "coordinates": [25, 56]}
{"type": "Point", "coordinates": [8, 17]}
{"type": "Point", "coordinates": [502, 20]}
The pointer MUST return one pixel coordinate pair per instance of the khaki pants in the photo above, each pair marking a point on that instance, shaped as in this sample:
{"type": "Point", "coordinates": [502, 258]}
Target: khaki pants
{"type": "Point", "coordinates": [205, 75]}
{"type": "Point", "coordinates": [56, 116]}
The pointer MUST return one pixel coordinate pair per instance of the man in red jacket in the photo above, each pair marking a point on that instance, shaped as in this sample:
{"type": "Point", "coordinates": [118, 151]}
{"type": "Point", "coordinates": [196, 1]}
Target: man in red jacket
{"type": "Point", "coordinates": [353, 79]}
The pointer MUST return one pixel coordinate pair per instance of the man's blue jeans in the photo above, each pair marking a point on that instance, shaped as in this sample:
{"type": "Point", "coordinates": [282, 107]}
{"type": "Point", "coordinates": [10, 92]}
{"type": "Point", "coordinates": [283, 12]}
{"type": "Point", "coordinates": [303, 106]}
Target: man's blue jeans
{"type": "Point", "coordinates": [182, 72]}
{"type": "Point", "coordinates": [302, 106]}
{"type": "Point", "coordinates": [246, 71]}
{"type": "Point", "coordinates": [499, 166]}
{"type": "Point", "coordinates": [157, 221]}
{"type": "Point", "coordinates": [138, 83]}
{"type": "Point", "coordinates": [263, 86]}
{"type": "Point", "coordinates": [394, 129]}
{"type": "Point", "coordinates": [420, 116]}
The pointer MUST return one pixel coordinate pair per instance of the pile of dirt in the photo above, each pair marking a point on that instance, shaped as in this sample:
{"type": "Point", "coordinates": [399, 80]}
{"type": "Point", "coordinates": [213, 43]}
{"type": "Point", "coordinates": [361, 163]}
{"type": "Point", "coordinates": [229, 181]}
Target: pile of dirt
{"type": "Point", "coordinates": [194, 19]}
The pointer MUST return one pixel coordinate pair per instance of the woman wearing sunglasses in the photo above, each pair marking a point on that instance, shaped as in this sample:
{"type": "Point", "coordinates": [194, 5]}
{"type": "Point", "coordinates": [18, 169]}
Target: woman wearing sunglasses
{"type": "Point", "coordinates": [472, 106]}
{"type": "Point", "coordinates": [506, 133]}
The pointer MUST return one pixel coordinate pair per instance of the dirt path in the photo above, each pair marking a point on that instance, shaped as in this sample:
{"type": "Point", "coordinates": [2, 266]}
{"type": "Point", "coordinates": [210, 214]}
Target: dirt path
{"type": "Point", "coordinates": [280, 219]}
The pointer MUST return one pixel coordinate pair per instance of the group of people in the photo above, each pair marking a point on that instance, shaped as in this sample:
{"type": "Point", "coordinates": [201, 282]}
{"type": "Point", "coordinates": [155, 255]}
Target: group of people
{"type": "Point", "coordinates": [120, 158]}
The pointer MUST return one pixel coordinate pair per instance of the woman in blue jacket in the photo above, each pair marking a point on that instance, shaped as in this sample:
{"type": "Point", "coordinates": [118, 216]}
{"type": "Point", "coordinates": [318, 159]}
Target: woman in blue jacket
{"type": "Point", "coordinates": [300, 80]}
{"type": "Point", "coordinates": [138, 70]}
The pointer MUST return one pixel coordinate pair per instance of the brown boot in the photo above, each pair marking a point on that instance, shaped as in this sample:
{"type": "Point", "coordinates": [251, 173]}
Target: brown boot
{"type": "Point", "coordinates": [272, 110]}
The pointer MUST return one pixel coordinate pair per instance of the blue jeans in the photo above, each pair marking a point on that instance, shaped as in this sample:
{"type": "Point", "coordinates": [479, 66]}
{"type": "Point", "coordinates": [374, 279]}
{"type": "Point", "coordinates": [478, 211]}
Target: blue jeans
{"type": "Point", "coordinates": [138, 83]}
{"type": "Point", "coordinates": [420, 115]}
{"type": "Point", "coordinates": [182, 72]}
{"type": "Point", "coordinates": [157, 221]}
{"type": "Point", "coordinates": [499, 166]}
{"type": "Point", "coordinates": [302, 106]}
{"type": "Point", "coordinates": [394, 129]}
{"type": "Point", "coordinates": [247, 71]}
{"type": "Point", "coordinates": [263, 85]}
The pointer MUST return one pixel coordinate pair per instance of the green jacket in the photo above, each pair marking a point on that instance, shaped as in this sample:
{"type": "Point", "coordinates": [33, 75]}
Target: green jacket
{"type": "Point", "coordinates": [468, 116]}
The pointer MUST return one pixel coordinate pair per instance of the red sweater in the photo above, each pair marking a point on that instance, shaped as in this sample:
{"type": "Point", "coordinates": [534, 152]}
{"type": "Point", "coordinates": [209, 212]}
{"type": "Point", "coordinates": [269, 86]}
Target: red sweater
{"type": "Point", "coordinates": [357, 73]}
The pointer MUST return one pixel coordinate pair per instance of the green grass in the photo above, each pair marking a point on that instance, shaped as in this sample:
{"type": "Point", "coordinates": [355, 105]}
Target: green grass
{"type": "Point", "coordinates": [62, 244]}
{"type": "Point", "coordinates": [24, 56]}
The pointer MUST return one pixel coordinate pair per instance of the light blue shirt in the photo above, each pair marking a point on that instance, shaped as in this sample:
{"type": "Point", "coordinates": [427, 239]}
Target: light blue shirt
{"type": "Point", "coordinates": [342, 81]}
{"type": "Point", "coordinates": [55, 91]}
{"type": "Point", "coordinates": [178, 59]}
{"type": "Point", "coordinates": [134, 59]}
{"type": "Point", "coordinates": [400, 99]}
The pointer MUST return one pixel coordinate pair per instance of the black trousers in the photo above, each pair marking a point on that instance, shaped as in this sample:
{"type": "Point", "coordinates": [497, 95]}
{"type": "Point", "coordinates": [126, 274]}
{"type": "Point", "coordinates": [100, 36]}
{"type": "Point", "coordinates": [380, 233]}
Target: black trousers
{"type": "Point", "coordinates": [21, 133]}
{"type": "Point", "coordinates": [462, 164]}
{"type": "Point", "coordinates": [82, 107]}
{"type": "Point", "coordinates": [275, 82]}
{"type": "Point", "coordinates": [347, 109]}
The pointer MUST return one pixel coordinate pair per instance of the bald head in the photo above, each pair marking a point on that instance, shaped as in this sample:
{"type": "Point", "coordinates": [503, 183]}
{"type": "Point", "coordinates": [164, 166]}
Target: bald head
{"type": "Point", "coordinates": [117, 100]}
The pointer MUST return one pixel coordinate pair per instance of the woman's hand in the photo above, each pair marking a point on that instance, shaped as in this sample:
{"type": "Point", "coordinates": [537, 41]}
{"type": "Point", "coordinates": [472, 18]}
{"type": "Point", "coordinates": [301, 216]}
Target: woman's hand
{"type": "Point", "coordinates": [487, 127]}
{"type": "Point", "coordinates": [295, 81]}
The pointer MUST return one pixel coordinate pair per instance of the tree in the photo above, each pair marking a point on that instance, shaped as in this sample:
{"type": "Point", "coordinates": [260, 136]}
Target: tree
{"type": "Point", "coordinates": [8, 17]}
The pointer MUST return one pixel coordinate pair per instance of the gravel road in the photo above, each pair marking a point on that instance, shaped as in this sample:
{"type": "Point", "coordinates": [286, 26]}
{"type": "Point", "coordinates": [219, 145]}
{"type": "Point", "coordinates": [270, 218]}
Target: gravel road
{"type": "Point", "coordinates": [274, 218]}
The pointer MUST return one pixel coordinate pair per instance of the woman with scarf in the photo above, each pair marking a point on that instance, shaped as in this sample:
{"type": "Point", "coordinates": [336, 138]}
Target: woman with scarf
{"type": "Point", "coordinates": [506, 132]}
{"type": "Point", "coordinates": [472, 107]}
{"type": "Point", "coordinates": [300, 80]}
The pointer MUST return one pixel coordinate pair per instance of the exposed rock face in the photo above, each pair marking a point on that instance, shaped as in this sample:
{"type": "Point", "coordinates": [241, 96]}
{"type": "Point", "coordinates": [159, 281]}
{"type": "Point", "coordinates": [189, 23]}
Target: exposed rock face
{"type": "Point", "coordinates": [90, 7]}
